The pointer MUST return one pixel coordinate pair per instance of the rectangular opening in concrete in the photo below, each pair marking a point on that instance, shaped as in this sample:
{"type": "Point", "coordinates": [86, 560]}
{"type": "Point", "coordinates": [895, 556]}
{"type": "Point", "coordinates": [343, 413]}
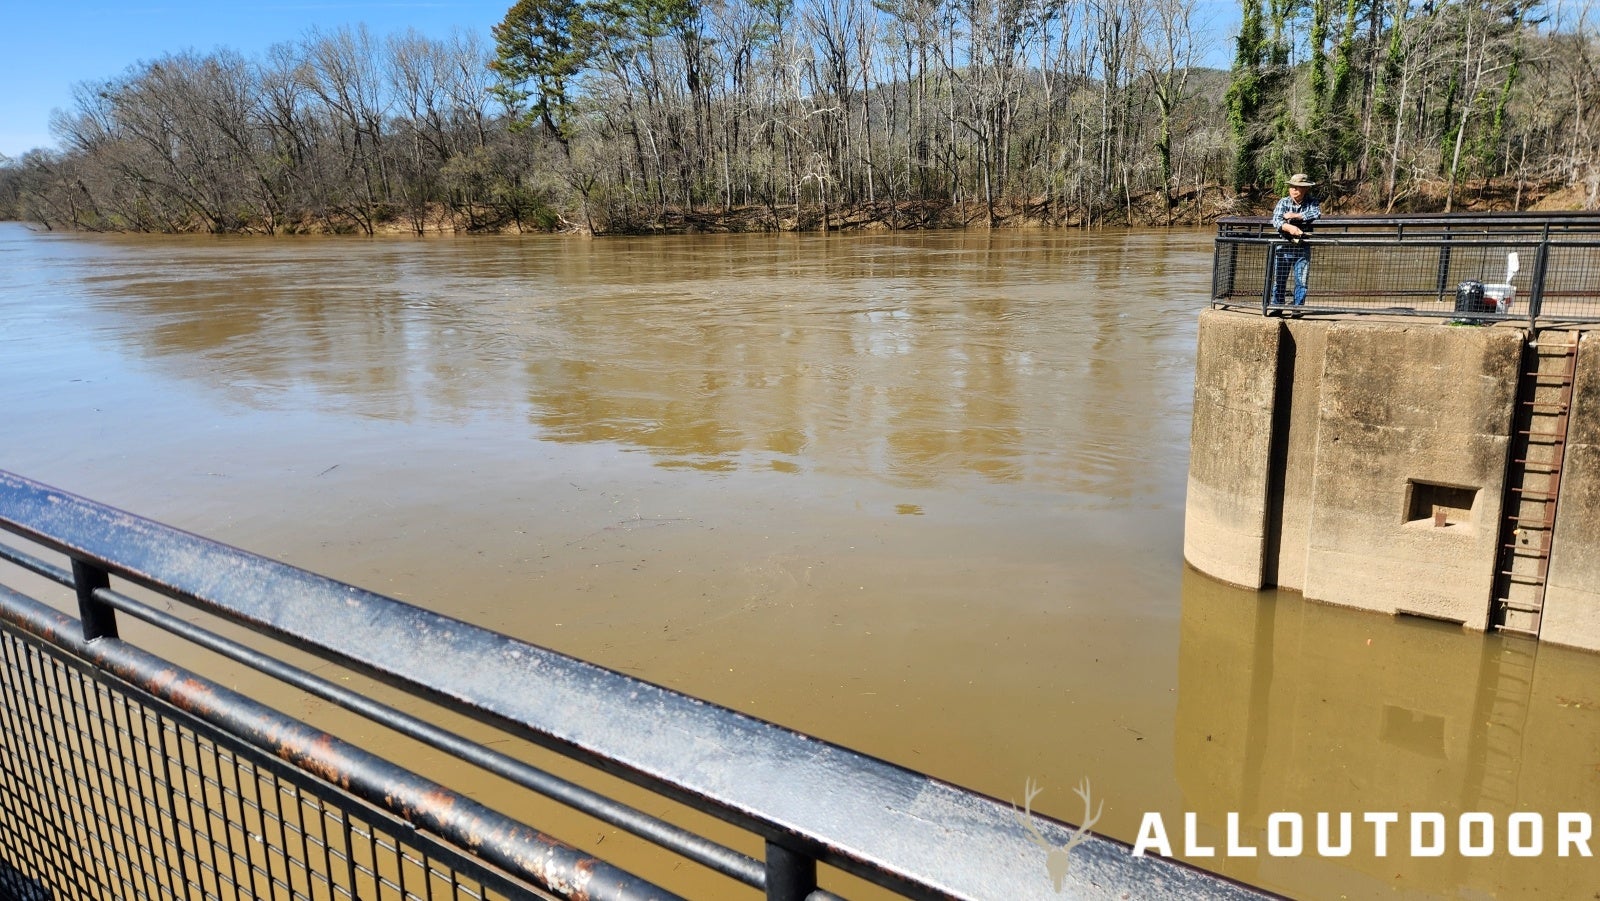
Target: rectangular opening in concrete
{"type": "Point", "coordinates": [1433, 504]}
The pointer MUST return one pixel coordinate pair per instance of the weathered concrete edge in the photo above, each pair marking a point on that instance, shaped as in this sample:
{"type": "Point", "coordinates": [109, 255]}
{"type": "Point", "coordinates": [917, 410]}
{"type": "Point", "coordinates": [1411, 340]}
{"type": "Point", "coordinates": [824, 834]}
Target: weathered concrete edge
{"type": "Point", "coordinates": [1236, 371]}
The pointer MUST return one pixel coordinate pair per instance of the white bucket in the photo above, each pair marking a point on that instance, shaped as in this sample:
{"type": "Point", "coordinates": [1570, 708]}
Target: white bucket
{"type": "Point", "coordinates": [1501, 296]}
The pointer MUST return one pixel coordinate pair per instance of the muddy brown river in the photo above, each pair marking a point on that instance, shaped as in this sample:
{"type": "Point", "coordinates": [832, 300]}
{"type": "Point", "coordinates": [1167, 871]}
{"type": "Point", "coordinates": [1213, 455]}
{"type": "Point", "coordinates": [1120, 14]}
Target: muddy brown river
{"type": "Point", "coordinates": [918, 494]}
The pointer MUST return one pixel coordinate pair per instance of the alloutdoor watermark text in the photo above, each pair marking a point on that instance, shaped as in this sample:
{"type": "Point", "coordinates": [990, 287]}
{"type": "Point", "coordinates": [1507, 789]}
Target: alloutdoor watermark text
{"type": "Point", "coordinates": [1382, 833]}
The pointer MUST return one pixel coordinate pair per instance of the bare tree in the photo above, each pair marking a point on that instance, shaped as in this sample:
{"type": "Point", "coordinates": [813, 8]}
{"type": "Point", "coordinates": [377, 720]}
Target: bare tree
{"type": "Point", "coordinates": [1168, 50]}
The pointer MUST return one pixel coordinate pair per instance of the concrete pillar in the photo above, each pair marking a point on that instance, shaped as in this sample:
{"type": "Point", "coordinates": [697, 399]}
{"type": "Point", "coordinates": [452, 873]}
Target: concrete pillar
{"type": "Point", "coordinates": [1302, 353]}
{"type": "Point", "coordinates": [1225, 516]}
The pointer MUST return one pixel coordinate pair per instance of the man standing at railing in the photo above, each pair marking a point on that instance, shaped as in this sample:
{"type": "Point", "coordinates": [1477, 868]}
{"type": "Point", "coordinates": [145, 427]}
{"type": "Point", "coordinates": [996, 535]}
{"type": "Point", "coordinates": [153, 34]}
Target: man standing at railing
{"type": "Point", "coordinates": [1293, 217]}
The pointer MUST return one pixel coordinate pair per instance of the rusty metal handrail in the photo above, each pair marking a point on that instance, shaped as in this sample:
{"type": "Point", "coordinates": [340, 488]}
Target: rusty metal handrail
{"type": "Point", "coordinates": [703, 851]}
{"type": "Point", "coordinates": [810, 801]}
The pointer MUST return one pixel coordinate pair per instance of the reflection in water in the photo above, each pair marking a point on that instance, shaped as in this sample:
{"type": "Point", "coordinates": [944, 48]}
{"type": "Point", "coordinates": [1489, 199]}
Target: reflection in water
{"type": "Point", "coordinates": [1288, 706]}
{"type": "Point", "coordinates": [918, 494]}
{"type": "Point", "coordinates": [1004, 356]}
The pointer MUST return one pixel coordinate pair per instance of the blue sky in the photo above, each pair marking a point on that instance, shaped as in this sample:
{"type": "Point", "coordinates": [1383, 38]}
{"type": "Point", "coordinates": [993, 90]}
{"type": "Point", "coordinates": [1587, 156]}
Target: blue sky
{"type": "Point", "coordinates": [47, 47]}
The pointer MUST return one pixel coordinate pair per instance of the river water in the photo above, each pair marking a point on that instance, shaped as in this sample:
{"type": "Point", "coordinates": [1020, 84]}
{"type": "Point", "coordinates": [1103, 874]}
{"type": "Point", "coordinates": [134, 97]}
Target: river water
{"type": "Point", "coordinates": [919, 494]}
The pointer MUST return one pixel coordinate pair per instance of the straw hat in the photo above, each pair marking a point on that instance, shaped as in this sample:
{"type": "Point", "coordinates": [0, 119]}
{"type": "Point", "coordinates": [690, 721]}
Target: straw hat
{"type": "Point", "coordinates": [1301, 180]}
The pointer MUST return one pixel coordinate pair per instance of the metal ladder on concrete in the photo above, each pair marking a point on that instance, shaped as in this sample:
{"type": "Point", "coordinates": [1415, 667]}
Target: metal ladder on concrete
{"type": "Point", "coordinates": [1533, 480]}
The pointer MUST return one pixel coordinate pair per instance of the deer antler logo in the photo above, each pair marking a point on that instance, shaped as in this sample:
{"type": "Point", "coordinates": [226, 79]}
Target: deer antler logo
{"type": "Point", "coordinates": [1057, 860]}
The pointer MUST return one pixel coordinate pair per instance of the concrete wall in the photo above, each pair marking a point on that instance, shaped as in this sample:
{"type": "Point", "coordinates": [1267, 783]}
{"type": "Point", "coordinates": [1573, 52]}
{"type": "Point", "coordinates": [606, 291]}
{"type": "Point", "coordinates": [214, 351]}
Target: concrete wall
{"type": "Point", "coordinates": [1407, 413]}
{"type": "Point", "coordinates": [1236, 375]}
{"type": "Point", "coordinates": [1572, 591]}
{"type": "Point", "coordinates": [1373, 427]}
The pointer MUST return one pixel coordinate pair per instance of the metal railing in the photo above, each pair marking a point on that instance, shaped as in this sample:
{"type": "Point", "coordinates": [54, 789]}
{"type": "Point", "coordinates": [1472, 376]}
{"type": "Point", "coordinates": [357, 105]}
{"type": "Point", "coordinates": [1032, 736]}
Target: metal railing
{"type": "Point", "coordinates": [124, 774]}
{"type": "Point", "coordinates": [1417, 265]}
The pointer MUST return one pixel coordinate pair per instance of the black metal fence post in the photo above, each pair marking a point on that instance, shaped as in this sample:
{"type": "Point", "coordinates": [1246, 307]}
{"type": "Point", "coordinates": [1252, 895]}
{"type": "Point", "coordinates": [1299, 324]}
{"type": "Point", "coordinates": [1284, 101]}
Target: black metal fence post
{"type": "Point", "coordinates": [1272, 273]}
{"type": "Point", "coordinates": [1233, 266]}
{"type": "Point", "coordinates": [1541, 262]}
{"type": "Point", "coordinates": [99, 620]}
{"type": "Point", "coordinates": [1442, 278]}
{"type": "Point", "coordinates": [791, 875]}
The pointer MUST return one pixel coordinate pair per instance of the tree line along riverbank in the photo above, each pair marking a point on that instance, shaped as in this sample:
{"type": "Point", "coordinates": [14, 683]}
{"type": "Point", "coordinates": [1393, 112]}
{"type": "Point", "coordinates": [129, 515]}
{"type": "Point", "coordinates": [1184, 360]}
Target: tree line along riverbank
{"type": "Point", "coordinates": [674, 115]}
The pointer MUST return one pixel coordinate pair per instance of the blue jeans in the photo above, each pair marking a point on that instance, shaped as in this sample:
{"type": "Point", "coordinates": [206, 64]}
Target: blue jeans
{"type": "Point", "coordinates": [1290, 259]}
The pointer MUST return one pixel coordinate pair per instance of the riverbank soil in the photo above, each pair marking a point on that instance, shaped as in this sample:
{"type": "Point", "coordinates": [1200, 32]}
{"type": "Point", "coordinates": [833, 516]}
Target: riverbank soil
{"type": "Point", "coordinates": [1194, 205]}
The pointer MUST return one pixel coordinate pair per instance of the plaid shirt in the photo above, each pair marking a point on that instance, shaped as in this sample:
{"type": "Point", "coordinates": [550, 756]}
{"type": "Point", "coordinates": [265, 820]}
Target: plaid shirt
{"type": "Point", "coordinates": [1309, 212]}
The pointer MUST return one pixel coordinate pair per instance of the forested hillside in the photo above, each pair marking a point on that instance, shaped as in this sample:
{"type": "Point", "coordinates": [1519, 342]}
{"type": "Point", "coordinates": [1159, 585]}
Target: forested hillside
{"type": "Point", "coordinates": [640, 115]}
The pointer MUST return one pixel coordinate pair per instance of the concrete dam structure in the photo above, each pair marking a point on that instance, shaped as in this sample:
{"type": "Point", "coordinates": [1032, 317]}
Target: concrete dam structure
{"type": "Point", "coordinates": [1423, 436]}
{"type": "Point", "coordinates": [1381, 460]}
